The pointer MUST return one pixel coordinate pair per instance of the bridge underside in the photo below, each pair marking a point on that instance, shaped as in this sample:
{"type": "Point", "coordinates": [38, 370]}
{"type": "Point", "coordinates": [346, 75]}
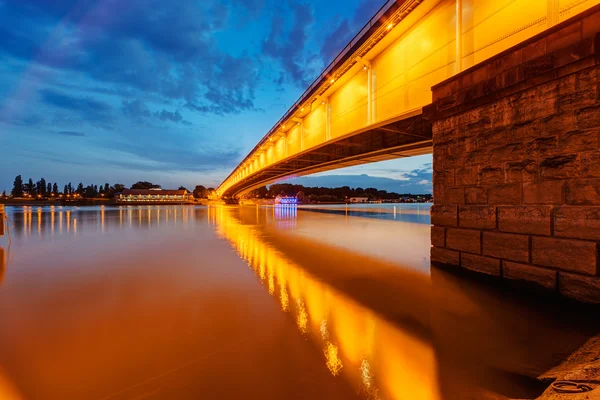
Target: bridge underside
{"type": "Point", "coordinates": [405, 138]}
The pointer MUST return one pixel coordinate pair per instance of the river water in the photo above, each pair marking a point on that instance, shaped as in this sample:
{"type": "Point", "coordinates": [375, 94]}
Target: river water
{"type": "Point", "coordinates": [224, 302]}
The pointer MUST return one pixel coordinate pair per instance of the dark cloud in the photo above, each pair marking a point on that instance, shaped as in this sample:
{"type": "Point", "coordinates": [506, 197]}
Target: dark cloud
{"type": "Point", "coordinates": [336, 40]}
{"type": "Point", "coordinates": [138, 111]}
{"type": "Point", "coordinates": [69, 133]}
{"type": "Point", "coordinates": [88, 109]}
{"type": "Point", "coordinates": [345, 29]}
{"type": "Point", "coordinates": [288, 46]}
{"type": "Point", "coordinates": [162, 49]}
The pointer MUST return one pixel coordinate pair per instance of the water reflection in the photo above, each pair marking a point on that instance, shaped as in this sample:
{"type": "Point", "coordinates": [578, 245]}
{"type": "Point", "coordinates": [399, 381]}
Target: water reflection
{"type": "Point", "coordinates": [136, 302]}
{"type": "Point", "coordinates": [380, 360]}
{"type": "Point", "coordinates": [398, 334]}
{"type": "Point", "coordinates": [3, 263]}
{"type": "Point", "coordinates": [43, 221]}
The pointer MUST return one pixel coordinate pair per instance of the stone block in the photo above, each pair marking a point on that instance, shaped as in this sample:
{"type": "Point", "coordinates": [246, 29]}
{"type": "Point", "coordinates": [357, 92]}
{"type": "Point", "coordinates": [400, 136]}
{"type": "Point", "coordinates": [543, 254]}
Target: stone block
{"type": "Point", "coordinates": [538, 66]}
{"type": "Point", "coordinates": [578, 141]}
{"type": "Point", "coordinates": [464, 240]}
{"type": "Point", "coordinates": [582, 288]}
{"type": "Point", "coordinates": [486, 265]}
{"type": "Point", "coordinates": [590, 25]}
{"type": "Point", "coordinates": [521, 171]}
{"type": "Point", "coordinates": [542, 146]}
{"type": "Point", "coordinates": [444, 215]}
{"type": "Point", "coordinates": [577, 222]}
{"type": "Point", "coordinates": [438, 236]}
{"type": "Point", "coordinates": [577, 51]}
{"type": "Point", "coordinates": [507, 246]}
{"type": "Point", "coordinates": [508, 193]}
{"type": "Point", "coordinates": [544, 192]}
{"type": "Point", "coordinates": [477, 217]}
{"type": "Point", "coordinates": [475, 195]}
{"type": "Point", "coordinates": [465, 176]}
{"type": "Point", "coordinates": [583, 191]}
{"type": "Point", "coordinates": [491, 174]}
{"type": "Point", "coordinates": [534, 50]}
{"type": "Point", "coordinates": [569, 35]}
{"type": "Point", "coordinates": [507, 62]}
{"type": "Point", "coordinates": [507, 152]}
{"type": "Point", "coordinates": [590, 164]}
{"type": "Point", "coordinates": [560, 167]}
{"type": "Point", "coordinates": [526, 272]}
{"type": "Point", "coordinates": [455, 195]}
{"type": "Point", "coordinates": [587, 118]}
{"type": "Point", "coordinates": [557, 123]}
{"type": "Point", "coordinates": [571, 255]}
{"type": "Point", "coordinates": [533, 220]}
{"type": "Point", "coordinates": [445, 256]}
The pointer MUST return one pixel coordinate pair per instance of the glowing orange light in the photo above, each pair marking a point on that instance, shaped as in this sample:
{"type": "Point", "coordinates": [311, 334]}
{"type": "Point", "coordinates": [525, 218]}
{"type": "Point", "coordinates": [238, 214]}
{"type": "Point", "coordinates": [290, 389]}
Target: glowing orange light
{"type": "Point", "coordinates": [390, 26]}
{"type": "Point", "coordinates": [332, 80]}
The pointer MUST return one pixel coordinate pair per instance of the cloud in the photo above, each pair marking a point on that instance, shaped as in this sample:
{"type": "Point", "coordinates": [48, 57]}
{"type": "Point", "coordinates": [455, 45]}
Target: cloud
{"type": "Point", "coordinates": [415, 184]}
{"type": "Point", "coordinates": [69, 133]}
{"type": "Point", "coordinates": [139, 111]}
{"type": "Point", "coordinates": [288, 46]}
{"type": "Point", "coordinates": [89, 109]}
{"type": "Point", "coordinates": [162, 49]}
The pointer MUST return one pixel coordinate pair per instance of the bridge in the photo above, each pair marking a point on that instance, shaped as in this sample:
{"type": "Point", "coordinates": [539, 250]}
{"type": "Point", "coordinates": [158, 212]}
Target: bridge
{"type": "Point", "coordinates": [503, 93]}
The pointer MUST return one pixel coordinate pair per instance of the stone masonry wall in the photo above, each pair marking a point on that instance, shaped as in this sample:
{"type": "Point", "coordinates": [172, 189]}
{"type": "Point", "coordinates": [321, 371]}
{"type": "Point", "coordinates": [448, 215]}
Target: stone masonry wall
{"type": "Point", "coordinates": [516, 159]}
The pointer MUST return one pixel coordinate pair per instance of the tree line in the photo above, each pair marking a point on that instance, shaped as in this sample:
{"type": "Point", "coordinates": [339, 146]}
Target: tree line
{"type": "Point", "coordinates": [330, 194]}
{"type": "Point", "coordinates": [45, 189]}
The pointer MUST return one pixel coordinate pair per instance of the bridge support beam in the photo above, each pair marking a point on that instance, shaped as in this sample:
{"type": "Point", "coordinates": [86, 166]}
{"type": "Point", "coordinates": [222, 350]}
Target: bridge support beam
{"type": "Point", "coordinates": [516, 159]}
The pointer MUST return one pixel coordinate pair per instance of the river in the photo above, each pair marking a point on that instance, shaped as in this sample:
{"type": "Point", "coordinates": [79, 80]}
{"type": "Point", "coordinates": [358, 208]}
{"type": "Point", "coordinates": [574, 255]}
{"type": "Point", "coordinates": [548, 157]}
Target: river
{"type": "Point", "coordinates": [226, 302]}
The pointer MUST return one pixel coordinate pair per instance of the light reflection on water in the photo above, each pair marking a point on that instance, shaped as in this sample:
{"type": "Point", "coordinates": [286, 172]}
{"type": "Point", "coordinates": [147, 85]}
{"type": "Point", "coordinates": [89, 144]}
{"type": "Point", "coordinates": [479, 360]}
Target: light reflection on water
{"type": "Point", "coordinates": [353, 338]}
{"type": "Point", "coordinates": [150, 302]}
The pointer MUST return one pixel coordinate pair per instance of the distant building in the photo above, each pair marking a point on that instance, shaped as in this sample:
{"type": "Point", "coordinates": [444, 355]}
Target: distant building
{"type": "Point", "coordinates": [358, 200]}
{"type": "Point", "coordinates": [153, 196]}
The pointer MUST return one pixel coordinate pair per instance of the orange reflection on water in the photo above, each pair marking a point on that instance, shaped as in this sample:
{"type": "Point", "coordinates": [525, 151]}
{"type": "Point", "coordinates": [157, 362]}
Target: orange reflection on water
{"type": "Point", "coordinates": [56, 218]}
{"type": "Point", "coordinates": [2, 264]}
{"type": "Point", "coordinates": [376, 357]}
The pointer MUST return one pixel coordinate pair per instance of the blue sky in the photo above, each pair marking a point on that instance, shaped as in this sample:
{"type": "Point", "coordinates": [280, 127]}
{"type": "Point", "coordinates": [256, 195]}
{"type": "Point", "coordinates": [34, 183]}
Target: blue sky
{"type": "Point", "coordinates": [173, 92]}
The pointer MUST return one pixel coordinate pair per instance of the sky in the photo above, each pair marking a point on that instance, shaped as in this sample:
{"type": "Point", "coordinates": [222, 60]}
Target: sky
{"type": "Point", "coordinates": [172, 92]}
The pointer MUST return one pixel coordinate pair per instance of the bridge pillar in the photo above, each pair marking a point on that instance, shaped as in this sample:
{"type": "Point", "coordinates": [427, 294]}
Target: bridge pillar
{"type": "Point", "coordinates": [516, 160]}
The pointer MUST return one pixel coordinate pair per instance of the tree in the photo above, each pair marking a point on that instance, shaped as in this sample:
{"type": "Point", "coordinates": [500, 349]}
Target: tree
{"type": "Point", "coordinates": [4, 194]}
{"type": "Point", "coordinates": [17, 190]}
{"type": "Point", "coordinates": [66, 190]}
{"type": "Point", "coordinates": [80, 189]}
{"type": "Point", "coordinates": [106, 189]}
{"type": "Point", "coordinates": [101, 190]}
{"type": "Point", "coordinates": [119, 187]}
{"type": "Point", "coordinates": [200, 192]}
{"type": "Point", "coordinates": [70, 188]}
{"type": "Point", "coordinates": [48, 189]}
{"type": "Point", "coordinates": [261, 192]}
{"type": "Point", "coordinates": [183, 188]}
{"type": "Point", "coordinates": [55, 189]}
{"type": "Point", "coordinates": [41, 187]}
{"type": "Point", "coordinates": [30, 187]}
{"type": "Point", "coordinates": [144, 185]}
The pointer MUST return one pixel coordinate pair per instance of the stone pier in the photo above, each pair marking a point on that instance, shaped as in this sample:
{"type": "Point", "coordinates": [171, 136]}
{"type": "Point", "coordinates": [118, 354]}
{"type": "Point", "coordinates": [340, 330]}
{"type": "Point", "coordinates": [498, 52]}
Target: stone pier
{"type": "Point", "coordinates": [516, 159]}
